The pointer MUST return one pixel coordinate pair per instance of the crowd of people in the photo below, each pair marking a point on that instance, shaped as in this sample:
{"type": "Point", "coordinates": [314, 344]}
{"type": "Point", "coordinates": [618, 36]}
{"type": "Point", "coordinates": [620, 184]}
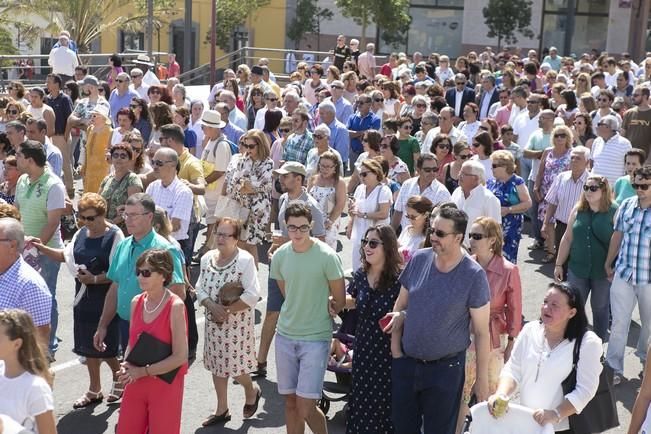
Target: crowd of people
{"type": "Point", "coordinates": [429, 169]}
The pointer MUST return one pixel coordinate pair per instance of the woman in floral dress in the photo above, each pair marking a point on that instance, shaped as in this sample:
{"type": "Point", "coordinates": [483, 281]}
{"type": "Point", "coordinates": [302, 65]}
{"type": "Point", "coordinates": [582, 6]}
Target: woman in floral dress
{"type": "Point", "coordinates": [329, 189]}
{"type": "Point", "coordinates": [229, 346]}
{"type": "Point", "coordinates": [514, 198]}
{"type": "Point", "coordinates": [249, 181]}
{"type": "Point", "coordinates": [372, 293]}
{"type": "Point", "coordinates": [554, 160]}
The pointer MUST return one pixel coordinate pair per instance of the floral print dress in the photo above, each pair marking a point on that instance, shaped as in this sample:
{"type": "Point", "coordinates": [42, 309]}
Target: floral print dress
{"type": "Point", "coordinates": [258, 173]}
{"type": "Point", "coordinates": [229, 348]}
{"type": "Point", "coordinates": [507, 193]}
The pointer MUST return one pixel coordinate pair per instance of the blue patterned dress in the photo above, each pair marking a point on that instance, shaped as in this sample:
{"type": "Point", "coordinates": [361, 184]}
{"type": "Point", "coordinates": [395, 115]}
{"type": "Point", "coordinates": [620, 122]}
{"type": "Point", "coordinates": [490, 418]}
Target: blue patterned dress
{"type": "Point", "coordinates": [507, 193]}
{"type": "Point", "coordinates": [370, 400]}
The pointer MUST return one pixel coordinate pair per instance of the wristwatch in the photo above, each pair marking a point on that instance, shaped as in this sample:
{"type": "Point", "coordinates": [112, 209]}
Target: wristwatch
{"type": "Point", "coordinates": [365, 216]}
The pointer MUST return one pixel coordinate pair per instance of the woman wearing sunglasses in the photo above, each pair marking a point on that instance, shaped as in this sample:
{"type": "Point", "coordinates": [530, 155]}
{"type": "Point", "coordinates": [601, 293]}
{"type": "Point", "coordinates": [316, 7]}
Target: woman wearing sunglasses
{"type": "Point", "coordinates": [584, 247]}
{"type": "Point", "coordinates": [372, 293]}
{"type": "Point", "coordinates": [514, 198]}
{"type": "Point", "coordinates": [161, 314]}
{"type": "Point", "coordinates": [412, 237]}
{"type": "Point", "coordinates": [623, 189]}
{"type": "Point", "coordinates": [369, 206]}
{"type": "Point", "coordinates": [119, 185]}
{"type": "Point", "coordinates": [87, 257]}
{"type": "Point", "coordinates": [461, 152]}
{"type": "Point", "coordinates": [442, 148]}
{"type": "Point", "coordinates": [142, 122]}
{"type": "Point", "coordinates": [505, 304]}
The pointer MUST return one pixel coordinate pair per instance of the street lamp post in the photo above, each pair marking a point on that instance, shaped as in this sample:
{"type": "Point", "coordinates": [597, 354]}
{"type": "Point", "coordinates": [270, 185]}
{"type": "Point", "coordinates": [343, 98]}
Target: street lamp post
{"type": "Point", "coordinates": [213, 40]}
{"type": "Point", "coordinates": [150, 28]}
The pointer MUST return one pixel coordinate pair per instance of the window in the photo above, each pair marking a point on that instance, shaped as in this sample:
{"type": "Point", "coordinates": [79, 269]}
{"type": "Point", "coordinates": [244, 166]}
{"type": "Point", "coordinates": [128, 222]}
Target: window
{"type": "Point", "coordinates": [132, 41]}
{"type": "Point", "coordinates": [588, 19]}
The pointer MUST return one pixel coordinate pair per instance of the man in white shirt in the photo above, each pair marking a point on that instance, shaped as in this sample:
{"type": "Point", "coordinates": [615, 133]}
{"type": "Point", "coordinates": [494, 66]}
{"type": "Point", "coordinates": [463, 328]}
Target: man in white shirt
{"type": "Point", "coordinates": [235, 116]}
{"type": "Point", "coordinates": [488, 96]}
{"type": "Point", "coordinates": [425, 184]}
{"type": "Point", "coordinates": [473, 198]}
{"type": "Point", "coordinates": [271, 103]}
{"type": "Point", "coordinates": [170, 193]}
{"type": "Point", "coordinates": [143, 63]}
{"type": "Point", "coordinates": [519, 99]}
{"type": "Point", "coordinates": [523, 126]}
{"type": "Point", "coordinates": [609, 150]}
{"type": "Point", "coordinates": [605, 99]}
{"type": "Point", "coordinates": [63, 60]}
{"type": "Point", "coordinates": [229, 74]}
{"type": "Point", "coordinates": [446, 126]}
{"type": "Point", "coordinates": [137, 85]}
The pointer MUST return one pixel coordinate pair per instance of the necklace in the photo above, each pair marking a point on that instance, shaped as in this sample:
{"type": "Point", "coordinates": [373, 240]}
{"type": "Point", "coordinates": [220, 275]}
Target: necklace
{"type": "Point", "coordinates": [544, 355]}
{"type": "Point", "coordinates": [157, 306]}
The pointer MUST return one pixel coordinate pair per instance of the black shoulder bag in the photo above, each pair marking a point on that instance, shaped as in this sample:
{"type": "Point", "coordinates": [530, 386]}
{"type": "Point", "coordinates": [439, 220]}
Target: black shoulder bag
{"type": "Point", "coordinates": [601, 412]}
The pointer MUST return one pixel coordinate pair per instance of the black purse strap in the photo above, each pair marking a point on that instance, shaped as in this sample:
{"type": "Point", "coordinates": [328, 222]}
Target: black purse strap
{"type": "Point", "coordinates": [577, 351]}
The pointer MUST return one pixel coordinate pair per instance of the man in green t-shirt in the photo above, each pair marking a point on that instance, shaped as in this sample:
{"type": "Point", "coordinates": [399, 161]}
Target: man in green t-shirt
{"type": "Point", "coordinates": [311, 278]}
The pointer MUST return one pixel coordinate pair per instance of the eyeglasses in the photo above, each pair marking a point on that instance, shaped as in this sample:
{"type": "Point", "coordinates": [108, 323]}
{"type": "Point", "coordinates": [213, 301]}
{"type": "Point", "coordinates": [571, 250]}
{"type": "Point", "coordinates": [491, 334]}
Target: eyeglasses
{"type": "Point", "coordinates": [378, 99]}
{"type": "Point", "coordinates": [223, 235]}
{"type": "Point", "coordinates": [592, 188]}
{"type": "Point", "coordinates": [643, 187]}
{"type": "Point", "coordinates": [373, 244]}
{"type": "Point", "coordinates": [318, 136]}
{"type": "Point", "coordinates": [560, 135]}
{"type": "Point", "coordinates": [440, 234]}
{"type": "Point", "coordinates": [464, 156]}
{"type": "Point", "coordinates": [460, 83]}
{"type": "Point", "coordinates": [284, 130]}
{"type": "Point", "coordinates": [249, 145]}
{"type": "Point", "coordinates": [420, 105]}
{"type": "Point", "coordinates": [430, 169]}
{"type": "Point", "coordinates": [133, 215]}
{"type": "Point", "coordinates": [412, 217]}
{"type": "Point", "coordinates": [89, 218]}
{"type": "Point", "coordinates": [443, 145]}
{"type": "Point", "coordinates": [160, 163]}
{"type": "Point", "coordinates": [121, 80]}
{"type": "Point", "coordinates": [271, 99]}
{"type": "Point", "coordinates": [336, 87]}
{"type": "Point", "coordinates": [155, 91]}
{"type": "Point", "coordinates": [477, 237]}
{"type": "Point", "coordinates": [302, 228]}
{"type": "Point", "coordinates": [120, 155]}
{"type": "Point", "coordinates": [143, 272]}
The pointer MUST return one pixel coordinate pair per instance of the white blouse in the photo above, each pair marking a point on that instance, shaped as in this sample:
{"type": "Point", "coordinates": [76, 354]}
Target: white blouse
{"type": "Point", "coordinates": [539, 370]}
{"type": "Point", "coordinates": [245, 269]}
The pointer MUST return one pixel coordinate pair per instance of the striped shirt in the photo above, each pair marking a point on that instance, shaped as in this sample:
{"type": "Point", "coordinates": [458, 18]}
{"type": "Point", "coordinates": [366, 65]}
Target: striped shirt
{"type": "Point", "coordinates": [634, 261]}
{"type": "Point", "coordinates": [565, 193]}
{"type": "Point", "coordinates": [608, 157]}
{"type": "Point", "coordinates": [436, 192]}
{"type": "Point", "coordinates": [22, 287]}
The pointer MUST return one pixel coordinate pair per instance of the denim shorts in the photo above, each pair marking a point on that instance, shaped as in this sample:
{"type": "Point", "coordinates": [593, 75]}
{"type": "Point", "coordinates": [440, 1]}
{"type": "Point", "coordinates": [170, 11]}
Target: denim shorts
{"type": "Point", "coordinates": [301, 366]}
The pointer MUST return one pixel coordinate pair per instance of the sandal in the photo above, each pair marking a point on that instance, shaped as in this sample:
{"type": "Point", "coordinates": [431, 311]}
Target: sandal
{"type": "Point", "coordinates": [250, 409]}
{"type": "Point", "coordinates": [89, 398]}
{"type": "Point", "coordinates": [216, 418]}
{"type": "Point", "coordinates": [117, 389]}
{"type": "Point", "coordinates": [549, 258]}
{"type": "Point", "coordinates": [261, 370]}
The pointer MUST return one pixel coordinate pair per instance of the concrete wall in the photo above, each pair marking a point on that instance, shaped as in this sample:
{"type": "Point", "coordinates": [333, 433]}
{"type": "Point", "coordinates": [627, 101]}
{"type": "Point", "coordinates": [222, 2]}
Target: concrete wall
{"type": "Point", "coordinates": [618, 28]}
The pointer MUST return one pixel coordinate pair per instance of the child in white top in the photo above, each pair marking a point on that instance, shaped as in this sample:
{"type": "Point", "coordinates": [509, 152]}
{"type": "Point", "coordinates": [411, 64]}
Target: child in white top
{"type": "Point", "coordinates": [24, 375]}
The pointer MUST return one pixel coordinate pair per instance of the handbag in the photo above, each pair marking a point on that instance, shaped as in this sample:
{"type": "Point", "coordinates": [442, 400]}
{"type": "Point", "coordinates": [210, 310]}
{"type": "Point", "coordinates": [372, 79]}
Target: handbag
{"type": "Point", "coordinates": [601, 412]}
{"type": "Point", "coordinates": [227, 207]}
{"type": "Point", "coordinates": [149, 350]}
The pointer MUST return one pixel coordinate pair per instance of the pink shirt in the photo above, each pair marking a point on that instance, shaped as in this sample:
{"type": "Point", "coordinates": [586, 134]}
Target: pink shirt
{"type": "Point", "coordinates": [503, 114]}
{"type": "Point", "coordinates": [506, 299]}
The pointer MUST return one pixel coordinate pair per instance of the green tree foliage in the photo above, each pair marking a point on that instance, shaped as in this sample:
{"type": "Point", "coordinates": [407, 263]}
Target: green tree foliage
{"type": "Point", "coordinates": [7, 45]}
{"type": "Point", "coordinates": [307, 20]}
{"type": "Point", "coordinates": [505, 17]}
{"type": "Point", "coordinates": [391, 16]}
{"type": "Point", "coordinates": [230, 15]}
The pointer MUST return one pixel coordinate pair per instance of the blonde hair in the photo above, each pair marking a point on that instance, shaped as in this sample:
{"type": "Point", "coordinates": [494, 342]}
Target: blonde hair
{"type": "Point", "coordinates": [606, 195]}
{"type": "Point", "coordinates": [492, 229]}
{"type": "Point", "coordinates": [261, 140]}
{"type": "Point", "coordinates": [505, 158]}
{"type": "Point", "coordinates": [568, 135]}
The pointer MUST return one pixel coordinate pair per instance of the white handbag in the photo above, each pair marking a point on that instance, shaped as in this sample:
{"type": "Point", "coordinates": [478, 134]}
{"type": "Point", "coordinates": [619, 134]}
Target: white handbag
{"type": "Point", "coordinates": [227, 207]}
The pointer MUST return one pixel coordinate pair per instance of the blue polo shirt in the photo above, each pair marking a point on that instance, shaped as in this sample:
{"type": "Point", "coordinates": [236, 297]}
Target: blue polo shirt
{"type": "Point", "coordinates": [118, 102]}
{"type": "Point", "coordinates": [123, 268]}
{"type": "Point", "coordinates": [358, 123]}
{"type": "Point", "coordinates": [339, 138]}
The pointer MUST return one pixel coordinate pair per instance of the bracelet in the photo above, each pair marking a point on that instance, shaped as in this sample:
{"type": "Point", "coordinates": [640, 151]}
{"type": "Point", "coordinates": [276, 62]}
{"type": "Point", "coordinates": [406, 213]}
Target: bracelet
{"type": "Point", "coordinates": [95, 279]}
{"type": "Point", "coordinates": [147, 370]}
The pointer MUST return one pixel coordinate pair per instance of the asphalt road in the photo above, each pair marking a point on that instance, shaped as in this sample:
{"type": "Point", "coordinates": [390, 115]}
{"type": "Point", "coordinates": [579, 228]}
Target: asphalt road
{"type": "Point", "coordinates": [200, 399]}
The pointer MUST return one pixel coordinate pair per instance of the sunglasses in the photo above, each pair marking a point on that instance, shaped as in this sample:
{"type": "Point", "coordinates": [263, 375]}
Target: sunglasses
{"type": "Point", "coordinates": [133, 106]}
{"type": "Point", "coordinates": [284, 130]}
{"type": "Point", "coordinates": [120, 155]}
{"type": "Point", "coordinates": [440, 234]}
{"type": "Point", "coordinates": [12, 112]}
{"type": "Point", "coordinates": [464, 157]}
{"type": "Point", "coordinates": [430, 169]}
{"type": "Point", "coordinates": [460, 83]}
{"type": "Point", "coordinates": [249, 145]}
{"type": "Point", "coordinates": [143, 272]}
{"type": "Point", "coordinates": [476, 237]}
{"type": "Point", "coordinates": [160, 163]}
{"type": "Point", "coordinates": [318, 136]}
{"type": "Point", "coordinates": [121, 81]}
{"type": "Point", "coordinates": [560, 135]}
{"type": "Point", "coordinates": [643, 187]}
{"type": "Point", "coordinates": [136, 149]}
{"type": "Point", "coordinates": [420, 105]}
{"type": "Point", "coordinates": [271, 99]}
{"type": "Point", "coordinates": [155, 91]}
{"type": "Point", "coordinates": [89, 218]}
{"type": "Point", "coordinates": [378, 99]}
{"type": "Point", "coordinates": [495, 166]}
{"type": "Point", "coordinates": [591, 188]}
{"type": "Point", "coordinates": [443, 145]}
{"type": "Point", "coordinates": [136, 76]}
{"type": "Point", "coordinates": [337, 87]}
{"type": "Point", "coordinates": [373, 244]}
{"type": "Point", "coordinates": [363, 174]}
{"type": "Point", "coordinates": [476, 144]}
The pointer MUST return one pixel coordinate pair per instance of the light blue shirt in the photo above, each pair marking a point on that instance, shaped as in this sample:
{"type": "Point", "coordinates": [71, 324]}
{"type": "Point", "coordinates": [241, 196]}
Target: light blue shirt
{"type": "Point", "coordinates": [233, 132]}
{"type": "Point", "coordinates": [118, 102]}
{"type": "Point", "coordinates": [339, 138]}
{"type": "Point", "coordinates": [343, 110]}
{"type": "Point", "coordinates": [22, 287]}
{"type": "Point", "coordinates": [54, 159]}
{"type": "Point", "coordinates": [237, 118]}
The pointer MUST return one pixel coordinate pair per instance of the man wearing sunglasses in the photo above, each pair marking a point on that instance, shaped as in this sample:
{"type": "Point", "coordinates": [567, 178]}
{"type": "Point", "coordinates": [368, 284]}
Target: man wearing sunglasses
{"type": "Point", "coordinates": [310, 276]}
{"type": "Point", "coordinates": [358, 124]}
{"type": "Point", "coordinates": [443, 292]}
{"type": "Point", "coordinates": [631, 273]}
{"type": "Point", "coordinates": [138, 216]}
{"type": "Point", "coordinates": [271, 102]}
{"type": "Point", "coordinates": [423, 184]}
{"type": "Point", "coordinates": [446, 126]}
{"type": "Point", "coordinates": [636, 126]}
{"type": "Point", "coordinates": [609, 150]}
{"type": "Point", "coordinates": [121, 96]}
